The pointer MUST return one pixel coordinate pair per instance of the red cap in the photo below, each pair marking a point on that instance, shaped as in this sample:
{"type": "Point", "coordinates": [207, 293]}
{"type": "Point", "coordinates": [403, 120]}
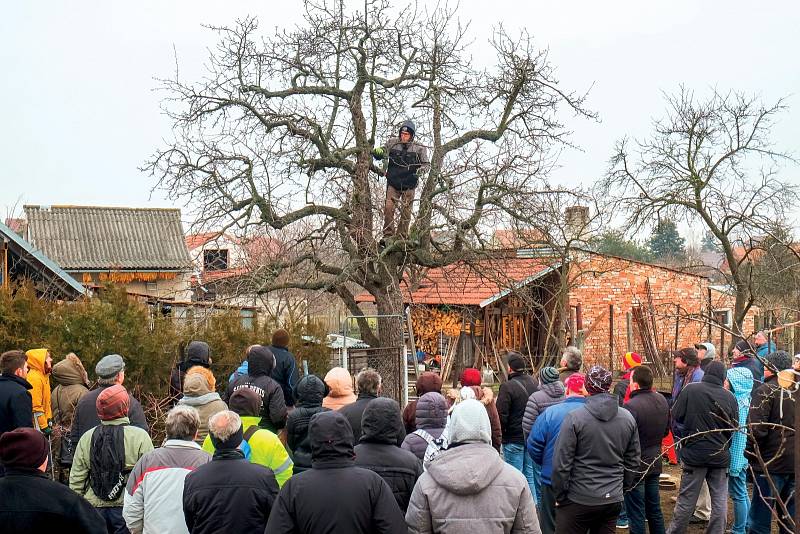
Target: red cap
{"type": "Point", "coordinates": [575, 382]}
{"type": "Point", "coordinates": [470, 377]}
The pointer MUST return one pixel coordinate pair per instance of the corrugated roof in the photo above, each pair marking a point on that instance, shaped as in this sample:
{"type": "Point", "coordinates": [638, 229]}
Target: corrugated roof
{"type": "Point", "coordinates": [91, 238]}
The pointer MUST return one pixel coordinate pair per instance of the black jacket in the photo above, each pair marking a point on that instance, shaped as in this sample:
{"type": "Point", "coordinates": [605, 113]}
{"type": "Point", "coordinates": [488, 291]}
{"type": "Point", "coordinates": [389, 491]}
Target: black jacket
{"type": "Point", "coordinates": [597, 445]}
{"type": "Point", "coordinates": [355, 411]}
{"type": "Point", "coordinates": [379, 449]}
{"type": "Point", "coordinates": [16, 405]}
{"type": "Point", "coordinates": [651, 412]}
{"type": "Point", "coordinates": [771, 404]}
{"type": "Point", "coordinates": [285, 372]}
{"type": "Point", "coordinates": [701, 407]}
{"type": "Point", "coordinates": [228, 494]}
{"type": "Point", "coordinates": [197, 353]}
{"type": "Point", "coordinates": [308, 394]}
{"type": "Point", "coordinates": [260, 364]}
{"type": "Point", "coordinates": [85, 417]}
{"type": "Point", "coordinates": [511, 401]}
{"type": "Point", "coordinates": [30, 502]}
{"type": "Point", "coordinates": [335, 496]}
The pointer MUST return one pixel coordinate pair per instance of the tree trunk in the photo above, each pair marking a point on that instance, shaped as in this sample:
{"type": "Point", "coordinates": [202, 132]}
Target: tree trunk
{"type": "Point", "coordinates": [389, 301]}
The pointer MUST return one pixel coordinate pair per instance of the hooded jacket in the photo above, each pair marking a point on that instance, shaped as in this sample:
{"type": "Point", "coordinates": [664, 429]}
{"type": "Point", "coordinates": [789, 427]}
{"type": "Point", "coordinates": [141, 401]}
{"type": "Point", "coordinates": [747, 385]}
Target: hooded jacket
{"type": "Point", "coordinates": [741, 384]}
{"type": "Point", "coordinates": [548, 395]}
{"type": "Point", "coordinates": [597, 444]}
{"type": "Point", "coordinates": [700, 408]}
{"type": "Point", "coordinates": [308, 397]}
{"type": "Point", "coordinates": [335, 496]}
{"type": "Point", "coordinates": [40, 386]}
{"type": "Point", "coordinates": [512, 400]}
{"type": "Point", "coordinates": [432, 418]}
{"type": "Point", "coordinates": [15, 404]}
{"type": "Point", "coordinates": [340, 389]}
{"type": "Point", "coordinates": [285, 372]}
{"type": "Point", "coordinates": [773, 404]}
{"type": "Point", "coordinates": [199, 396]}
{"type": "Point", "coordinates": [406, 161]}
{"type": "Point", "coordinates": [469, 488]}
{"type": "Point", "coordinates": [71, 380]}
{"type": "Point", "coordinates": [260, 363]}
{"type": "Point", "coordinates": [379, 450]}
{"type": "Point", "coordinates": [197, 353]}
{"type": "Point", "coordinates": [426, 382]}
{"type": "Point", "coordinates": [541, 442]}
{"type": "Point", "coordinates": [651, 411]}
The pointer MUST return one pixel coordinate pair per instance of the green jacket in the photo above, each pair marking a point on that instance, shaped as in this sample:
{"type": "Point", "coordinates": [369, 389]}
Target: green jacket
{"type": "Point", "coordinates": [265, 449]}
{"type": "Point", "coordinates": [137, 443]}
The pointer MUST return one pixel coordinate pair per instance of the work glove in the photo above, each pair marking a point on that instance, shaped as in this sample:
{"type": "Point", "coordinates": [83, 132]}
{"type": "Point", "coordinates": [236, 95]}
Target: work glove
{"type": "Point", "coordinates": [378, 153]}
{"type": "Point", "coordinates": [47, 431]}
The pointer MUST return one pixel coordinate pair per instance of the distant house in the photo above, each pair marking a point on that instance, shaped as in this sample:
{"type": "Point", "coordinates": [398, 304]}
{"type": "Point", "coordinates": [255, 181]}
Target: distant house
{"type": "Point", "coordinates": [140, 248]}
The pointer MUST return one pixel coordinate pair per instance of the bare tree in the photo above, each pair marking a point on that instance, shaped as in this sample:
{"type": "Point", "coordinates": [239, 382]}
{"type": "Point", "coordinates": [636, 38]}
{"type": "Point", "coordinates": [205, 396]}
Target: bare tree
{"type": "Point", "coordinates": [710, 162]}
{"type": "Point", "coordinates": [279, 133]}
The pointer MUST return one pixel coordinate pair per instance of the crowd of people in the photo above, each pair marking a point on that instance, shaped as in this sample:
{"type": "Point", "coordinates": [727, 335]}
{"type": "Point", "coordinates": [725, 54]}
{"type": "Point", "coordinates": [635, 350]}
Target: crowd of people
{"type": "Point", "coordinates": [558, 450]}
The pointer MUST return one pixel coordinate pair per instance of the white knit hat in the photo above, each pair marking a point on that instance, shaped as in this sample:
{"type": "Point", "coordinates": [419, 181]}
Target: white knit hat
{"type": "Point", "coordinates": [469, 423]}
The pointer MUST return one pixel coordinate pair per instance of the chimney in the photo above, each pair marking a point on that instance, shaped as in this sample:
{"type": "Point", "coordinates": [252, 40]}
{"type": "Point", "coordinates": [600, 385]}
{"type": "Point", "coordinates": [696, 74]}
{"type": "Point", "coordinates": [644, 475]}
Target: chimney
{"type": "Point", "coordinates": [577, 221]}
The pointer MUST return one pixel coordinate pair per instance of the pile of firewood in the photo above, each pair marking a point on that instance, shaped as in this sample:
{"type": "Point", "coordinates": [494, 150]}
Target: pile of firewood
{"type": "Point", "coordinates": [430, 324]}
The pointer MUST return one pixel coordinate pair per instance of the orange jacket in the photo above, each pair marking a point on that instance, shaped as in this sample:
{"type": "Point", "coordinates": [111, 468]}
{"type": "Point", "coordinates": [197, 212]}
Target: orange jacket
{"type": "Point", "coordinates": [40, 393]}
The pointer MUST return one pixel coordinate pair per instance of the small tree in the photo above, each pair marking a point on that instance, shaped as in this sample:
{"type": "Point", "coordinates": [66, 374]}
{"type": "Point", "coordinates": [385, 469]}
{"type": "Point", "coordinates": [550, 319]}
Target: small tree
{"type": "Point", "coordinates": [666, 243]}
{"type": "Point", "coordinates": [614, 243]}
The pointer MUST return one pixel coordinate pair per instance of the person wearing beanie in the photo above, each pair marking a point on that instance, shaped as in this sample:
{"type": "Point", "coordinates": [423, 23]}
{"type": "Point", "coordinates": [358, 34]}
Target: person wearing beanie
{"type": "Point", "coordinates": [705, 417]}
{"type": "Point", "coordinates": [259, 445]}
{"type": "Point", "coordinates": [706, 353]}
{"type": "Point", "coordinates": [308, 398]}
{"type": "Point", "coordinates": [622, 389]}
{"type": "Point", "coordinates": [744, 355]}
{"type": "Point", "coordinates": [106, 454]}
{"type": "Point", "coordinates": [197, 353]}
{"type": "Point", "coordinates": [379, 449]}
{"type": "Point", "coordinates": [650, 410]}
{"type": "Point", "coordinates": [260, 363]}
{"type": "Point", "coordinates": [739, 382]}
{"type": "Point", "coordinates": [542, 441]}
{"type": "Point", "coordinates": [198, 393]}
{"type": "Point", "coordinates": [431, 420]}
{"type": "Point", "coordinates": [407, 160]}
{"type": "Point", "coordinates": [229, 493]}
{"type": "Point", "coordinates": [110, 370]}
{"type": "Point", "coordinates": [285, 370]}
{"type": "Point", "coordinates": [335, 495]}
{"type": "Point", "coordinates": [687, 370]}
{"type": "Point", "coordinates": [512, 398]}
{"type": "Point", "coordinates": [468, 486]}
{"type": "Point", "coordinates": [40, 365]}
{"type": "Point", "coordinates": [772, 428]}
{"type": "Point", "coordinates": [596, 447]}
{"type": "Point", "coordinates": [29, 501]}
{"type": "Point", "coordinates": [426, 382]}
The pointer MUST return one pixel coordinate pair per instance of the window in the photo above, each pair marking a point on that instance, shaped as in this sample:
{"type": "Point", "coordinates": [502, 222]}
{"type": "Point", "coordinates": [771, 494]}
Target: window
{"type": "Point", "coordinates": [215, 259]}
{"type": "Point", "coordinates": [722, 317]}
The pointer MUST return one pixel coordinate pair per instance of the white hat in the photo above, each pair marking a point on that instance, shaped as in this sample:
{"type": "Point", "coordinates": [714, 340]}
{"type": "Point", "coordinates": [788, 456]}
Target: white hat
{"type": "Point", "coordinates": [469, 423]}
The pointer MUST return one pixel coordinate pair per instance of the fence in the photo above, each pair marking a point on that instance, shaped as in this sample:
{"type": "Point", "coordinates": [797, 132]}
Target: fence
{"type": "Point", "coordinates": [389, 362]}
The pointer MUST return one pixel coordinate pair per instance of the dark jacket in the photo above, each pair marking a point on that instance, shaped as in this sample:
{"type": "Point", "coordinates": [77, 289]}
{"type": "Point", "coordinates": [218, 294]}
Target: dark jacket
{"type": "Point", "coordinates": [260, 363]}
{"type": "Point", "coordinates": [308, 394]}
{"type": "Point", "coordinates": [407, 161]}
{"type": "Point", "coordinates": [355, 411]}
{"type": "Point", "coordinates": [335, 496]}
{"type": "Point", "coordinates": [16, 405]}
{"type": "Point", "coordinates": [285, 372]}
{"type": "Point", "coordinates": [379, 449]}
{"type": "Point", "coordinates": [548, 395]}
{"type": "Point", "coordinates": [431, 417]}
{"type": "Point", "coordinates": [85, 418]}
{"type": "Point", "coordinates": [511, 402]}
{"type": "Point", "coordinates": [651, 412]}
{"type": "Point", "coordinates": [30, 502]}
{"type": "Point", "coordinates": [197, 353]}
{"type": "Point", "coordinates": [700, 407]}
{"type": "Point", "coordinates": [426, 382]}
{"type": "Point", "coordinates": [596, 445]}
{"type": "Point", "coordinates": [228, 494]}
{"type": "Point", "coordinates": [620, 389]}
{"type": "Point", "coordinates": [772, 404]}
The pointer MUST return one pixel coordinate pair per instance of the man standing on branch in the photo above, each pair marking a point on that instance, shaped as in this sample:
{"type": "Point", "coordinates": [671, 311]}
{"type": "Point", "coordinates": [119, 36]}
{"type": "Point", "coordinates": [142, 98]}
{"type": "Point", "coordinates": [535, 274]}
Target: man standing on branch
{"type": "Point", "coordinates": [407, 160]}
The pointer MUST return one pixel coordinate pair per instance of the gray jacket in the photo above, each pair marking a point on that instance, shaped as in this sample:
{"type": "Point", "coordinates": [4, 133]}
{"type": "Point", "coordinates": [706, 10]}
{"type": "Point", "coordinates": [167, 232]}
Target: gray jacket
{"type": "Point", "coordinates": [597, 443]}
{"type": "Point", "coordinates": [432, 418]}
{"type": "Point", "coordinates": [469, 488]}
{"type": "Point", "coordinates": [548, 395]}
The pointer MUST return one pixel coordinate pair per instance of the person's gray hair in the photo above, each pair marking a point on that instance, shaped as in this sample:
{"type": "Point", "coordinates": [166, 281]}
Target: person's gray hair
{"type": "Point", "coordinates": [108, 381]}
{"type": "Point", "coordinates": [182, 423]}
{"type": "Point", "coordinates": [224, 424]}
{"type": "Point", "coordinates": [572, 358]}
{"type": "Point", "coordinates": [368, 381]}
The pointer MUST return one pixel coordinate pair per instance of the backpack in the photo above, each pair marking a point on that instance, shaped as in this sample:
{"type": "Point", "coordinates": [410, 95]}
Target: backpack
{"type": "Point", "coordinates": [435, 445]}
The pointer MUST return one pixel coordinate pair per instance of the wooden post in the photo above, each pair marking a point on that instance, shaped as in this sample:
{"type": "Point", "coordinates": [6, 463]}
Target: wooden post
{"type": "Point", "coordinates": [710, 314]}
{"type": "Point", "coordinates": [611, 337]}
{"type": "Point", "coordinates": [629, 330]}
{"type": "Point", "coordinates": [572, 326]}
{"type": "Point", "coordinates": [677, 324]}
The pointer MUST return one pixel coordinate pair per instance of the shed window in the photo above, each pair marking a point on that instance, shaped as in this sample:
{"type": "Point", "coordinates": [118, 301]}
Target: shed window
{"type": "Point", "coordinates": [215, 259]}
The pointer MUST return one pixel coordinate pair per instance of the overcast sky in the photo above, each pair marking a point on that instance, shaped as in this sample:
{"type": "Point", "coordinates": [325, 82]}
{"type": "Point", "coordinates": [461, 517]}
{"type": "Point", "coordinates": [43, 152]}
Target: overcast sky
{"type": "Point", "coordinates": [79, 114]}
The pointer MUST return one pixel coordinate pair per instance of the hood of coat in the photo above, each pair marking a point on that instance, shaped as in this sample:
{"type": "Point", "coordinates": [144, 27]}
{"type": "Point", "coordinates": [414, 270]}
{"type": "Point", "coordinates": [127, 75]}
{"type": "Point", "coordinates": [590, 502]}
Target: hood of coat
{"type": "Point", "coordinates": [310, 391]}
{"type": "Point", "coordinates": [331, 437]}
{"type": "Point", "coordinates": [200, 400]}
{"type": "Point", "coordinates": [427, 382]}
{"type": "Point", "coordinates": [714, 373]}
{"type": "Point", "coordinates": [554, 390]}
{"type": "Point", "coordinates": [260, 361]}
{"type": "Point", "coordinates": [70, 371]}
{"type": "Point", "coordinates": [197, 353]}
{"type": "Point", "coordinates": [36, 359]}
{"type": "Point", "coordinates": [741, 381]}
{"type": "Point", "coordinates": [382, 423]}
{"type": "Point", "coordinates": [466, 469]}
{"type": "Point", "coordinates": [340, 382]}
{"type": "Point", "coordinates": [603, 406]}
{"type": "Point", "coordinates": [195, 385]}
{"type": "Point", "coordinates": [431, 411]}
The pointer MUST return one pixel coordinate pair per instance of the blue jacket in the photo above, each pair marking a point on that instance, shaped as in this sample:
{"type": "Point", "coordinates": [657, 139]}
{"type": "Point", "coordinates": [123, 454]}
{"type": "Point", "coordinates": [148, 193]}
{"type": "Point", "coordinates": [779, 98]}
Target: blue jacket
{"type": "Point", "coordinates": [542, 439]}
{"type": "Point", "coordinates": [741, 383]}
{"type": "Point", "coordinates": [242, 370]}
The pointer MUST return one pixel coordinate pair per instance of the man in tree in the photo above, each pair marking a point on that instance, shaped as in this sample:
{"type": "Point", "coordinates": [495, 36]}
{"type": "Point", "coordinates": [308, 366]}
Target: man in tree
{"type": "Point", "coordinates": [407, 160]}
